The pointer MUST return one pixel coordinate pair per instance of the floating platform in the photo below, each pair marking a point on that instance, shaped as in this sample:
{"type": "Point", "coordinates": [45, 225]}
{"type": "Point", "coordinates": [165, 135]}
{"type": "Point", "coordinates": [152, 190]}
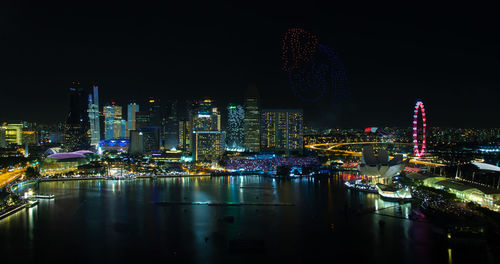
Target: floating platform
{"type": "Point", "coordinates": [43, 196]}
{"type": "Point", "coordinates": [394, 193]}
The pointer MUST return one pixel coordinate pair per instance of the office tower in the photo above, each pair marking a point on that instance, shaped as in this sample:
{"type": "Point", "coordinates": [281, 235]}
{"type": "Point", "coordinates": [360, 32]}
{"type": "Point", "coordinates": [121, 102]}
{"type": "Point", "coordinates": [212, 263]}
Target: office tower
{"type": "Point", "coordinates": [123, 128]}
{"type": "Point", "coordinates": [282, 130]}
{"type": "Point", "coordinates": [76, 129]}
{"type": "Point", "coordinates": [155, 113]}
{"type": "Point", "coordinates": [206, 117]}
{"type": "Point", "coordinates": [206, 122]}
{"type": "Point", "coordinates": [112, 121]}
{"type": "Point", "coordinates": [136, 142]}
{"type": "Point", "coordinates": [205, 106]}
{"type": "Point", "coordinates": [170, 125]}
{"type": "Point", "coordinates": [151, 138]}
{"type": "Point", "coordinates": [132, 110]}
{"type": "Point", "coordinates": [185, 135]}
{"type": "Point", "coordinates": [29, 137]}
{"type": "Point", "coordinates": [93, 109]}
{"type": "Point", "coordinates": [208, 145]}
{"type": "Point", "coordinates": [141, 119]}
{"type": "Point", "coordinates": [208, 141]}
{"type": "Point", "coordinates": [252, 124]}
{"type": "Point", "coordinates": [13, 133]}
{"type": "Point", "coordinates": [235, 126]}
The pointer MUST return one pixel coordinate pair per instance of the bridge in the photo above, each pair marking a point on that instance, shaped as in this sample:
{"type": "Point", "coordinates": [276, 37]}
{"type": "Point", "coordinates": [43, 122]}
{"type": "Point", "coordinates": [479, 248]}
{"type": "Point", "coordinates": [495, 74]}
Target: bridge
{"type": "Point", "coordinates": [334, 147]}
{"type": "Point", "coordinates": [9, 176]}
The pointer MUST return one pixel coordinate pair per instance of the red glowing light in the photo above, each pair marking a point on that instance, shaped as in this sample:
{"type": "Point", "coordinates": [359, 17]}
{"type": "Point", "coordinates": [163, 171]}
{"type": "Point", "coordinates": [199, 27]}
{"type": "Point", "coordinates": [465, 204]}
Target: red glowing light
{"type": "Point", "coordinates": [297, 47]}
{"type": "Point", "coordinates": [419, 151]}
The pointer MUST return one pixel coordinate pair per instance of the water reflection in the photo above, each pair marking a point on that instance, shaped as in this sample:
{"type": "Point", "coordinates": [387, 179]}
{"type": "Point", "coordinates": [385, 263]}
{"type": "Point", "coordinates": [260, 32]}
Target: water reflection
{"type": "Point", "coordinates": [117, 220]}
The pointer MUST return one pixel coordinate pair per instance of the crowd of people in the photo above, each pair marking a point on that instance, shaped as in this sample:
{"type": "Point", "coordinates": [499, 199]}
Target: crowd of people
{"type": "Point", "coordinates": [439, 203]}
{"type": "Point", "coordinates": [270, 164]}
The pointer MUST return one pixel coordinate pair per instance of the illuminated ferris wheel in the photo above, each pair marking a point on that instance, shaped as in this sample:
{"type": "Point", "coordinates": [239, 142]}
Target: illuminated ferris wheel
{"type": "Point", "coordinates": [419, 151]}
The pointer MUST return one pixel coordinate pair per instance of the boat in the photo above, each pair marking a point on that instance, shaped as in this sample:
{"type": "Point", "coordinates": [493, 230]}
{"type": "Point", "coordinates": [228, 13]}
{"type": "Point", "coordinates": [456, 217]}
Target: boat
{"type": "Point", "coordinates": [43, 196]}
{"type": "Point", "coordinates": [394, 193]}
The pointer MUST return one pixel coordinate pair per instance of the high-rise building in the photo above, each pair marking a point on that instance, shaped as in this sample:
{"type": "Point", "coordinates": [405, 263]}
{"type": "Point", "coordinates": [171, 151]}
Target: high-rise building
{"type": "Point", "coordinates": [207, 121]}
{"type": "Point", "coordinates": [252, 123]}
{"type": "Point", "coordinates": [93, 109]}
{"type": "Point", "coordinates": [123, 128]}
{"type": "Point", "coordinates": [208, 145]}
{"type": "Point", "coordinates": [235, 126]}
{"type": "Point", "coordinates": [136, 142]}
{"type": "Point", "coordinates": [282, 130]}
{"type": "Point", "coordinates": [13, 133]}
{"type": "Point", "coordinates": [113, 121]}
{"type": "Point", "coordinates": [29, 137]}
{"type": "Point", "coordinates": [132, 110]}
{"type": "Point", "coordinates": [155, 113]}
{"type": "Point", "coordinates": [151, 138]}
{"type": "Point", "coordinates": [170, 125]}
{"type": "Point", "coordinates": [76, 130]}
{"type": "Point", "coordinates": [185, 135]}
{"type": "Point", "coordinates": [142, 119]}
{"type": "Point", "coordinates": [207, 139]}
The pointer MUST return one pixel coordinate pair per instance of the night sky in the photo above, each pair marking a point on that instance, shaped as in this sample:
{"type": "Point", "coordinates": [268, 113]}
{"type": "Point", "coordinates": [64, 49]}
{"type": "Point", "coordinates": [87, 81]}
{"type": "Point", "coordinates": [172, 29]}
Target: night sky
{"type": "Point", "coordinates": [447, 55]}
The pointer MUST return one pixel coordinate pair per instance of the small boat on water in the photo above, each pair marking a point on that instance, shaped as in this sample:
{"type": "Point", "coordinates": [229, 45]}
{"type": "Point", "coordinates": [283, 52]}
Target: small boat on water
{"type": "Point", "coordinates": [44, 196]}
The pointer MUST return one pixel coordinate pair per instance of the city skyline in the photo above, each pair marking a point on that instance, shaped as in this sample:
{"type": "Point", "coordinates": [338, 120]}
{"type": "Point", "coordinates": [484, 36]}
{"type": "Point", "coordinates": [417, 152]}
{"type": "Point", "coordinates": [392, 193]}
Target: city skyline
{"type": "Point", "coordinates": [249, 132]}
{"type": "Point", "coordinates": [130, 55]}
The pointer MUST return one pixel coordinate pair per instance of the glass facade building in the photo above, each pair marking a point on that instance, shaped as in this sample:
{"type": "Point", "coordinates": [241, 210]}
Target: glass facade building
{"type": "Point", "coordinates": [113, 121]}
{"type": "Point", "coordinates": [235, 126]}
{"type": "Point", "coordinates": [93, 109]}
{"type": "Point", "coordinates": [282, 130]}
{"type": "Point", "coordinates": [208, 145]}
{"type": "Point", "coordinates": [77, 123]}
{"type": "Point", "coordinates": [252, 123]}
{"type": "Point", "coordinates": [132, 110]}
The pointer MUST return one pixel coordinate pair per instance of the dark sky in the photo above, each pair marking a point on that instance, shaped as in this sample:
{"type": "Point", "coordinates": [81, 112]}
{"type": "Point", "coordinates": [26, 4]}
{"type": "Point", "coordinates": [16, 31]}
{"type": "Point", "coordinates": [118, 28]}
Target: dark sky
{"type": "Point", "coordinates": [446, 54]}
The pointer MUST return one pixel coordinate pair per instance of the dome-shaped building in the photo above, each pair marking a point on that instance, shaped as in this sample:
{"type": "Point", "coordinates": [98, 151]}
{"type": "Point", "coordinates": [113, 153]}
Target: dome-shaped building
{"type": "Point", "coordinates": [65, 162]}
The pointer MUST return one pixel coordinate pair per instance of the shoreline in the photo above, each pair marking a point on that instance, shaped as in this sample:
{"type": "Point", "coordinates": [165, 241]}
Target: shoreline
{"type": "Point", "coordinates": [13, 211]}
{"type": "Point", "coordinates": [118, 178]}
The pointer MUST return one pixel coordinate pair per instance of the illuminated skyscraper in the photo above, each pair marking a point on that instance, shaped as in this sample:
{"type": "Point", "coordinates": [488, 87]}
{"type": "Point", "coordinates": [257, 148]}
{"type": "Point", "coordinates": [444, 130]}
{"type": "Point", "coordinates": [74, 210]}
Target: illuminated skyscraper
{"type": "Point", "coordinates": [29, 137]}
{"type": "Point", "coordinates": [170, 125]}
{"type": "Point", "coordinates": [207, 121]}
{"type": "Point", "coordinates": [76, 129]}
{"type": "Point", "coordinates": [185, 134]}
{"type": "Point", "coordinates": [123, 128]}
{"type": "Point", "coordinates": [132, 109]}
{"type": "Point", "coordinates": [136, 142]}
{"type": "Point", "coordinates": [251, 124]}
{"type": "Point", "coordinates": [113, 121]}
{"type": "Point", "coordinates": [151, 138]}
{"type": "Point", "coordinates": [235, 126]}
{"type": "Point", "coordinates": [155, 113]}
{"type": "Point", "coordinates": [208, 145]}
{"type": "Point", "coordinates": [282, 130]}
{"type": "Point", "coordinates": [208, 141]}
{"type": "Point", "coordinates": [93, 109]}
{"type": "Point", "coordinates": [12, 133]}
{"type": "Point", "coordinates": [141, 119]}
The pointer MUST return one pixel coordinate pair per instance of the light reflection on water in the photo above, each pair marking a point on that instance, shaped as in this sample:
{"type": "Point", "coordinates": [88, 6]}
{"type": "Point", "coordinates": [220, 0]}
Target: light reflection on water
{"type": "Point", "coordinates": [115, 220]}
